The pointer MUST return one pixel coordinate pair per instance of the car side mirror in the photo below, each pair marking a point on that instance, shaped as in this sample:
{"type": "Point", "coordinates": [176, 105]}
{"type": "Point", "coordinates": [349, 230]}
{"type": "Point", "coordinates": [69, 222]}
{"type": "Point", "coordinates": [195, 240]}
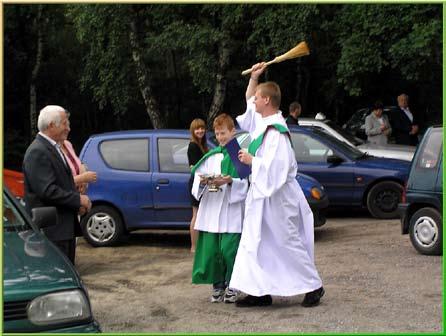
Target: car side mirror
{"type": "Point", "coordinates": [44, 216]}
{"type": "Point", "coordinates": [334, 159]}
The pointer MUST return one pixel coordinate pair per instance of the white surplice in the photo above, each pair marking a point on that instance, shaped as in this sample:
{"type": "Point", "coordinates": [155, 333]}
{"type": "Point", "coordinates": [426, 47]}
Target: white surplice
{"type": "Point", "coordinates": [221, 211]}
{"type": "Point", "coordinates": [276, 251]}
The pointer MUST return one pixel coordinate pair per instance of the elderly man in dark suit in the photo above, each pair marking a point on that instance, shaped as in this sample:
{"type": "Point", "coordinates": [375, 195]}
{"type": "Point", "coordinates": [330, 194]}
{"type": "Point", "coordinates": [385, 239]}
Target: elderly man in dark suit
{"type": "Point", "coordinates": [49, 181]}
{"type": "Point", "coordinates": [404, 124]}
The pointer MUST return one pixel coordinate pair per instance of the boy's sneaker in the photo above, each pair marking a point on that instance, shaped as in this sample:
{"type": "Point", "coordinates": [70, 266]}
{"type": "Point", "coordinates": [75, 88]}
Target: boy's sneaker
{"type": "Point", "coordinates": [217, 295]}
{"type": "Point", "coordinates": [231, 295]}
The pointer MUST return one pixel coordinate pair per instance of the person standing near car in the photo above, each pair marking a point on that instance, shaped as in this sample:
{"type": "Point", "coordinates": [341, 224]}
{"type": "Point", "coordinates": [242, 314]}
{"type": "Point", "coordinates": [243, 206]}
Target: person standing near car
{"type": "Point", "coordinates": [294, 112]}
{"type": "Point", "coordinates": [276, 251]}
{"type": "Point", "coordinates": [197, 148]}
{"type": "Point", "coordinates": [377, 126]}
{"type": "Point", "coordinates": [82, 176]}
{"type": "Point", "coordinates": [404, 123]}
{"type": "Point", "coordinates": [49, 181]}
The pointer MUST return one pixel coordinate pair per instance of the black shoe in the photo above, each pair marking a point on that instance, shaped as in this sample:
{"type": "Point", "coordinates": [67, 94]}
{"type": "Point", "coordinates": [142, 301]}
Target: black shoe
{"type": "Point", "coordinates": [252, 301]}
{"type": "Point", "coordinates": [312, 299]}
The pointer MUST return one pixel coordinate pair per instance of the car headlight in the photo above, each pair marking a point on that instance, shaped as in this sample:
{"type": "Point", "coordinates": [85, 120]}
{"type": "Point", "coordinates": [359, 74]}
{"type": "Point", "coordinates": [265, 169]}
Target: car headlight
{"type": "Point", "coordinates": [60, 307]}
{"type": "Point", "coordinates": [316, 193]}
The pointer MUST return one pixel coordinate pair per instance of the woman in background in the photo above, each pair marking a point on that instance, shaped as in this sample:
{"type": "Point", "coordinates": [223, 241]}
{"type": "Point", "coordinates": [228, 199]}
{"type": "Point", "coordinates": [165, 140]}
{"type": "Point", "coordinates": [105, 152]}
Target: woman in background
{"type": "Point", "coordinates": [80, 173]}
{"type": "Point", "coordinates": [377, 126]}
{"type": "Point", "coordinates": [197, 148]}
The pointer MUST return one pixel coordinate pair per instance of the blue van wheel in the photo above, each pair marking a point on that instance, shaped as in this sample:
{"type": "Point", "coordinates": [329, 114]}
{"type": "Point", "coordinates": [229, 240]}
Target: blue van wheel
{"type": "Point", "coordinates": [102, 226]}
{"type": "Point", "coordinates": [426, 231]}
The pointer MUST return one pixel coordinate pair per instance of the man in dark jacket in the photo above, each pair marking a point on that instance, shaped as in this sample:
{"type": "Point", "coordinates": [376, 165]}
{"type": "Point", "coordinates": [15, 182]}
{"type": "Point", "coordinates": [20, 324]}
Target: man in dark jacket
{"type": "Point", "coordinates": [404, 124]}
{"type": "Point", "coordinates": [294, 112]}
{"type": "Point", "coordinates": [49, 182]}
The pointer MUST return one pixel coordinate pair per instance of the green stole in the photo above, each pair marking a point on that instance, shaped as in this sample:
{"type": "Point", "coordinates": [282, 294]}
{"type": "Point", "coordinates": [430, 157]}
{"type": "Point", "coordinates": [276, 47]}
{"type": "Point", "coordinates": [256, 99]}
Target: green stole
{"type": "Point", "coordinates": [227, 167]}
{"type": "Point", "coordinates": [257, 142]}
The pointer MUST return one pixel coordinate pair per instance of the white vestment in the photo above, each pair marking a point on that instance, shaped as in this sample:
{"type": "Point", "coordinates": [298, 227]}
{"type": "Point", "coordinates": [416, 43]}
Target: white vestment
{"type": "Point", "coordinates": [221, 211]}
{"type": "Point", "coordinates": [275, 254]}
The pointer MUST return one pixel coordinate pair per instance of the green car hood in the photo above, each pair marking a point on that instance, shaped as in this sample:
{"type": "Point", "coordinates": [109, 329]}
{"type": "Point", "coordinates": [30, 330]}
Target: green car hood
{"type": "Point", "coordinates": [33, 266]}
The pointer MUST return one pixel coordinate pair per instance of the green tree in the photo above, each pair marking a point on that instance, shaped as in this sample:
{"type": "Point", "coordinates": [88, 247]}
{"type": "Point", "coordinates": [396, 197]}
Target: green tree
{"type": "Point", "coordinates": [405, 39]}
{"type": "Point", "coordinates": [207, 37]}
{"type": "Point", "coordinates": [275, 30]}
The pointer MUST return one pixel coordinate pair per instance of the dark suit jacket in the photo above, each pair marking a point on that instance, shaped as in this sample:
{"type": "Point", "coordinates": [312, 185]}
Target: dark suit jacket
{"type": "Point", "coordinates": [49, 182]}
{"type": "Point", "coordinates": [290, 120]}
{"type": "Point", "coordinates": [401, 126]}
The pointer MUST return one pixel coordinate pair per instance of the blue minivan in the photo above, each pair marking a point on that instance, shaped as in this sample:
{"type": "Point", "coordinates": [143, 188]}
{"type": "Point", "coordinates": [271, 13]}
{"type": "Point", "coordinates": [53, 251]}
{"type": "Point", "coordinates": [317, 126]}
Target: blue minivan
{"type": "Point", "coordinates": [143, 184]}
{"type": "Point", "coordinates": [421, 210]}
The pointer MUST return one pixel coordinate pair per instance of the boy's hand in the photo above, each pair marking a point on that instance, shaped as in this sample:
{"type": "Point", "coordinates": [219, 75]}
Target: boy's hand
{"type": "Point", "coordinates": [244, 157]}
{"type": "Point", "coordinates": [219, 181]}
{"type": "Point", "coordinates": [203, 180]}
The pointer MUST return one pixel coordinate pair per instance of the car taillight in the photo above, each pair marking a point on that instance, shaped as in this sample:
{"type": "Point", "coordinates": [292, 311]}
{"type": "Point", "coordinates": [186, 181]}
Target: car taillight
{"type": "Point", "coordinates": [403, 196]}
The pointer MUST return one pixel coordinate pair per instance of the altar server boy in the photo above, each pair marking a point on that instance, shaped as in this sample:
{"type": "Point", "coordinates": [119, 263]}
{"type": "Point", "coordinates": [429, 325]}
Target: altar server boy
{"type": "Point", "coordinates": [220, 214]}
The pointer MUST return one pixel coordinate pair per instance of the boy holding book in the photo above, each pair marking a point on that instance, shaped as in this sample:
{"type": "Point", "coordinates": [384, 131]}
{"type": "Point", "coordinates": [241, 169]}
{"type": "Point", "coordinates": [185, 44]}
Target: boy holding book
{"type": "Point", "coordinates": [220, 215]}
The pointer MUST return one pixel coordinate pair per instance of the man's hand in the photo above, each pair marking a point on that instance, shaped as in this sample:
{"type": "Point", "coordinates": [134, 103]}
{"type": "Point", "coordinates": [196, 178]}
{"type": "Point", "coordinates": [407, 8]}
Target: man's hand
{"type": "Point", "coordinates": [244, 157]}
{"type": "Point", "coordinates": [82, 211]}
{"type": "Point", "coordinates": [203, 180]}
{"type": "Point", "coordinates": [414, 130]}
{"type": "Point", "coordinates": [85, 202]}
{"type": "Point", "coordinates": [257, 70]}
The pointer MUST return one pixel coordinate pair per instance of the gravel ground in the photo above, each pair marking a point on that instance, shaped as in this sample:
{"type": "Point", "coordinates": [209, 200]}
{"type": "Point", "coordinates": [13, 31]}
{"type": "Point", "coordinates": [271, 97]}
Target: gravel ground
{"type": "Point", "coordinates": [374, 280]}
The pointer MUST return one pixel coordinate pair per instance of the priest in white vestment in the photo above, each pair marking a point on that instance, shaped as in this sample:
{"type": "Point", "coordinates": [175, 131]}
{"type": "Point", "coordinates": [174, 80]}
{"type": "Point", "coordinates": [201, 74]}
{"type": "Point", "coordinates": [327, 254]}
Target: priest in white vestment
{"type": "Point", "coordinates": [276, 251]}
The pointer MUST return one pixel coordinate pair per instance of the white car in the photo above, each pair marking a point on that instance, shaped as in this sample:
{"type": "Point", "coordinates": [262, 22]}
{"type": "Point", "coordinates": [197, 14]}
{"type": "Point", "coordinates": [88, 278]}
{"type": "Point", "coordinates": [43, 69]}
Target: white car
{"type": "Point", "coordinates": [392, 151]}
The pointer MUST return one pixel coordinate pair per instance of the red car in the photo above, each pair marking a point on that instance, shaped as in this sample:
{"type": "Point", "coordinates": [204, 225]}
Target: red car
{"type": "Point", "coordinates": [14, 180]}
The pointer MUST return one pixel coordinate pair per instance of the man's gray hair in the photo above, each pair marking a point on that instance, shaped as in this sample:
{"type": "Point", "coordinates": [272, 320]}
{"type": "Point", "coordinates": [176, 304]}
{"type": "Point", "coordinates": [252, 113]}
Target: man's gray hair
{"type": "Point", "coordinates": [49, 114]}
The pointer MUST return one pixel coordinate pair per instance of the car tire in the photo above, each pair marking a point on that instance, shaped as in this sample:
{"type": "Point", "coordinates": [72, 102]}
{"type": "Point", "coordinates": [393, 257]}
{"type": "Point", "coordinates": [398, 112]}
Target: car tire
{"type": "Point", "coordinates": [383, 199]}
{"type": "Point", "coordinates": [426, 231]}
{"type": "Point", "coordinates": [102, 226]}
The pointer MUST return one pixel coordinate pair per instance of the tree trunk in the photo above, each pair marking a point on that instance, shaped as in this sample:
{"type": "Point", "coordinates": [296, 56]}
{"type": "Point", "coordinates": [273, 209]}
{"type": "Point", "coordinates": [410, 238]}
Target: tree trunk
{"type": "Point", "coordinates": [179, 93]}
{"type": "Point", "coordinates": [220, 84]}
{"type": "Point", "coordinates": [35, 72]}
{"type": "Point", "coordinates": [144, 82]}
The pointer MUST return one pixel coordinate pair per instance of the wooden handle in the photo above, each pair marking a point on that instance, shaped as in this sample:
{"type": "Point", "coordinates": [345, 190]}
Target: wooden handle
{"type": "Point", "coordinates": [248, 71]}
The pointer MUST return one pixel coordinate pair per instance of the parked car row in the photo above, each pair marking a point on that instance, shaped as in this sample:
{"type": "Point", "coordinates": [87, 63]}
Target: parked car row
{"type": "Point", "coordinates": [143, 183]}
{"type": "Point", "coordinates": [144, 180]}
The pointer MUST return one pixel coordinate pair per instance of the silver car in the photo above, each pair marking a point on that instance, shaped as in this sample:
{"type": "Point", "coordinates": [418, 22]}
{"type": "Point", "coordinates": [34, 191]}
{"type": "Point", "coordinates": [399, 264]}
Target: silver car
{"type": "Point", "coordinates": [392, 151]}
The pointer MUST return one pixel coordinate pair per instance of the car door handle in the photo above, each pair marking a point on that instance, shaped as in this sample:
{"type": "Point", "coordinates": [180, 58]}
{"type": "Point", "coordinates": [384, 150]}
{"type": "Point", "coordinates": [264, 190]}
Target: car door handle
{"type": "Point", "coordinates": [163, 181]}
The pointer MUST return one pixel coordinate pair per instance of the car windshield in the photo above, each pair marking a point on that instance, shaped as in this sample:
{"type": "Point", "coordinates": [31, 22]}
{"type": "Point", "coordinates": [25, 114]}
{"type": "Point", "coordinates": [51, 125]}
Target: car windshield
{"type": "Point", "coordinates": [350, 137]}
{"type": "Point", "coordinates": [350, 151]}
{"type": "Point", "coordinates": [12, 219]}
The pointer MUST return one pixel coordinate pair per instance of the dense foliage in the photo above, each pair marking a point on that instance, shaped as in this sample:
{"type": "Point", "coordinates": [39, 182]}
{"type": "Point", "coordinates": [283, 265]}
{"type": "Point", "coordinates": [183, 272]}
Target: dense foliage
{"type": "Point", "coordinates": [128, 66]}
